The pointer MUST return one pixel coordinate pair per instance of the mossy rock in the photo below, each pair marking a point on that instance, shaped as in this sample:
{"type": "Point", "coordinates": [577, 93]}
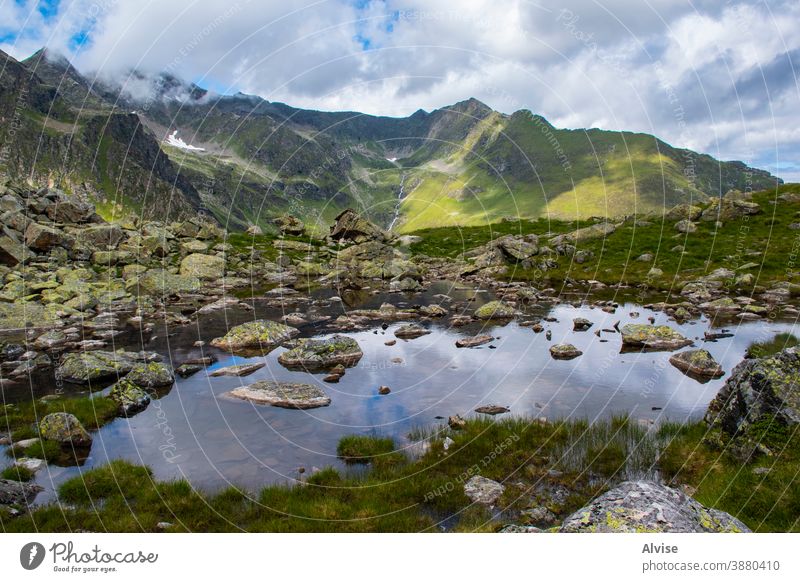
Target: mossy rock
{"type": "Point", "coordinates": [322, 354]}
{"type": "Point", "coordinates": [130, 397]}
{"type": "Point", "coordinates": [84, 367]}
{"type": "Point", "coordinates": [64, 428]}
{"type": "Point", "coordinates": [283, 394]}
{"type": "Point", "coordinates": [652, 337]}
{"type": "Point", "coordinates": [261, 333]}
{"type": "Point", "coordinates": [205, 267]}
{"type": "Point", "coordinates": [161, 282]}
{"type": "Point", "coordinates": [697, 363]}
{"type": "Point", "coordinates": [495, 310]}
{"type": "Point", "coordinates": [151, 375]}
{"type": "Point", "coordinates": [564, 352]}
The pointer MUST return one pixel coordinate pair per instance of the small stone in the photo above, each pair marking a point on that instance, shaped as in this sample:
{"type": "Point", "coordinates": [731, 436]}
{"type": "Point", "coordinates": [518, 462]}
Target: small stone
{"type": "Point", "coordinates": [474, 341]}
{"type": "Point", "coordinates": [564, 352]}
{"type": "Point", "coordinates": [238, 370]}
{"type": "Point", "coordinates": [482, 490]}
{"type": "Point", "coordinates": [456, 422]}
{"type": "Point", "coordinates": [492, 409]}
{"type": "Point", "coordinates": [383, 390]}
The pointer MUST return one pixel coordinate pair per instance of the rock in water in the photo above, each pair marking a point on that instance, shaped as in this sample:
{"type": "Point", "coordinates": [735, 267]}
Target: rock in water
{"type": "Point", "coordinates": [648, 507]}
{"type": "Point", "coordinates": [263, 334]}
{"type": "Point", "coordinates": [495, 310]}
{"type": "Point", "coordinates": [482, 490]}
{"type": "Point", "coordinates": [130, 397]}
{"type": "Point", "coordinates": [83, 367]}
{"type": "Point", "coordinates": [411, 331]}
{"type": "Point", "coordinates": [492, 409]}
{"type": "Point", "coordinates": [652, 337]}
{"type": "Point", "coordinates": [581, 324]}
{"type": "Point", "coordinates": [759, 389]}
{"type": "Point", "coordinates": [322, 354]}
{"type": "Point", "coordinates": [64, 428]}
{"type": "Point", "coordinates": [697, 363]}
{"type": "Point", "coordinates": [283, 394]}
{"type": "Point", "coordinates": [237, 370]}
{"type": "Point", "coordinates": [476, 340]}
{"type": "Point", "coordinates": [564, 351]}
{"type": "Point", "coordinates": [151, 375]}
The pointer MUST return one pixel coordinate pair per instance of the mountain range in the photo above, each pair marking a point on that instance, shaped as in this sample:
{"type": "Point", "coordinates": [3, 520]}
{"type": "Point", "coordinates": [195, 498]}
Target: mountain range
{"type": "Point", "coordinates": [161, 147]}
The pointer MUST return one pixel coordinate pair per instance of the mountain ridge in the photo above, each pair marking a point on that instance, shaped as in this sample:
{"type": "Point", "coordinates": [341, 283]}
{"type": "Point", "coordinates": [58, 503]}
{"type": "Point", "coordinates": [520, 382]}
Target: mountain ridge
{"type": "Point", "coordinates": [464, 164]}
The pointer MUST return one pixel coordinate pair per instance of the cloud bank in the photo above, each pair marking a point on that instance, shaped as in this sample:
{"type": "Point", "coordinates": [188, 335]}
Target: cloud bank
{"type": "Point", "coordinates": [718, 77]}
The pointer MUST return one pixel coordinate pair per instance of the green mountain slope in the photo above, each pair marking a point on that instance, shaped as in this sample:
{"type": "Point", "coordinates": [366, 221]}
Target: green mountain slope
{"type": "Point", "coordinates": [460, 165]}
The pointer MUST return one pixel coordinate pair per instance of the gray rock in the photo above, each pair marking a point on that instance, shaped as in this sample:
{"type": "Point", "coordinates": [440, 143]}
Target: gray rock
{"type": "Point", "coordinates": [64, 428]}
{"type": "Point", "coordinates": [84, 367]}
{"type": "Point", "coordinates": [263, 334]}
{"type": "Point", "coordinates": [652, 337]}
{"type": "Point", "coordinates": [564, 352]}
{"type": "Point", "coordinates": [130, 398]}
{"type": "Point", "coordinates": [697, 363]}
{"type": "Point", "coordinates": [411, 331]}
{"type": "Point", "coordinates": [322, 354]}
{"type": "Point", "coordinates": [283, 394]}
{"type": "Point", "coordinates": [151, 375]}
{"type": "Point", "coordinates": [16, 493]}
{"type": "Point", "coordinates": [648, 507]}
{"type": "Point", "coordinates": [237, 370]}
{"type": "Point", "coordinates": [482, 490]}
{"type": "Point", "coordinates": [474, 341]}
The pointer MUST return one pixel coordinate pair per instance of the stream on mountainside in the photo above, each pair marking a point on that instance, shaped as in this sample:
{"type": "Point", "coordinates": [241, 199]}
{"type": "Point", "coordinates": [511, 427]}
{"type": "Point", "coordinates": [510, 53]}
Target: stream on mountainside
{"type": "Point", "coordinates": [192, 431]}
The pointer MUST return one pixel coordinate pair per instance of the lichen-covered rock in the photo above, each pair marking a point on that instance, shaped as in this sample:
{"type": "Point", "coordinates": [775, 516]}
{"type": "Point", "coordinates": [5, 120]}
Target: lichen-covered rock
{"type": "Point", "coordinates": [649, 507]}
{"type": "Point", "coordinates": [84, 367]}
{"type": "Point", "coordinates": [482, 490]}
{"type": "Point", "coordinates": [161, 282]}
{"type": "Point", "coordinates": [564, 351]}
{"type": "Point", "coordinates": [99, 236]}
{"type": "Point", "coordinates": [42, 238]}
{"type": "Point", "coordinates": [652, 337]}
{"type": "Point", "coordinates": [685, 226]}
{"type": "Point", "coordinates": [151, 375]}
{"type": "Point", "coordinates": [262, 333]}
{"type": "Point", "coordinates": [322, 354]}
{"type": "Point", "coordinates": [130, 397]}
{"type": "Point", "coordinates": [411, 331]}
{"type": "Point", "coordinates": [697, 363]}
{"type": "Point", "coordinates": [64, 428]}
{"type": "Point", "coordinates": [283, 394]}
{"type": "Point", "coordinates": [206, 267]}
{"type": "Point", "coordinates": [237, 370]}
{"type": "Point", "coordinates": [587, 233]}
{"type": "Point", "coordinates": [433, 310]}
{"type": "Point", "coordinates": [495, 310]}
{"type": "Point", "coordinates": [759, 389]}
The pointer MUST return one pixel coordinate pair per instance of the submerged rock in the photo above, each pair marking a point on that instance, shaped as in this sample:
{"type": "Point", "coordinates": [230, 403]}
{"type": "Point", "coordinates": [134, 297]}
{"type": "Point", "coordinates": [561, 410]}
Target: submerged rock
{"type": "Point", "coordinates": [64, 428]}
{"type": "Point", "coordinates": [759, 389]}
{"type": "Point", "coordinates": [648, 507]}
{"type": "Point", "coordinates": [492, 409]}
{"type": "Point", "coordinates": [261, 333]}
{"type": "Point", "coordinates": [130, 397]}
{"type": "Point", "coordinates": [322, 354]}
{"type": "Point", "coordinates": [84, 367]}
{"type": "Point", "coordinates": [238, 370]}
{"type": "Point", "coordinates": [411, 331]}
{"type": "Point", "coordinates": [482, 490]}
{"type": "Point", "coordinates": [698, 363]}
{"type": "Point", "coordinates": [495, 310]}
{"type": "Point", "coordinates": [474, 341]}
{"type": "Point", "coordinates": [564, 351]}
{"type": "Point", "coordinates": [652, 337]}
{"type": "Point", "coordinates": [283, 394]}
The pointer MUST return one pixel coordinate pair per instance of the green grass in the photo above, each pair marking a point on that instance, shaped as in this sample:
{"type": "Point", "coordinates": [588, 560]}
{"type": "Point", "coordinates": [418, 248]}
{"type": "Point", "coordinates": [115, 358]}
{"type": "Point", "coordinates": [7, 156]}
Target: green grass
{"type": "Point", "coordinates": [16, 473]}
{"type": "Point", "coordinates": [763, 240]}
{"type": "Point", "coordinates": [363, 448]}
{"type": "Point", "coordinates": [771, 347]}
{"type": "Point", "coordinates": [50, 451]}
{"type": "Point", "coordinates": [20, 419]}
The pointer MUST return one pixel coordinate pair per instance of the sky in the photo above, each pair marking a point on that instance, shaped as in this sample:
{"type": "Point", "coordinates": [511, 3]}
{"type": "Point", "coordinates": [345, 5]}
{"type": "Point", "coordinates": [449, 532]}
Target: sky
{"type": "Point", "coordinates": [717, 76]}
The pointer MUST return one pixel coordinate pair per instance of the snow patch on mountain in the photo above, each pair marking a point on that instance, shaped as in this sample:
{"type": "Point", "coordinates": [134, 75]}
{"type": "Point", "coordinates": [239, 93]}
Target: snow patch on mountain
{"type": "Point", "coordinates": [175, 141]}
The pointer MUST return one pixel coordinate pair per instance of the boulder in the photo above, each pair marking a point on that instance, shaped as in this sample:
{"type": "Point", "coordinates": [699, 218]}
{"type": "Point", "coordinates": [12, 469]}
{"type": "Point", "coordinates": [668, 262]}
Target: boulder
{"type": "Point", "coordinates": [130, 397]}
{"type": "Point", "coordinates": [492, 409]}
{"type": "Point", "coordinates": [649, 507]}
{"type": "Point", "coordinates": [99, 236]}
{"type": "Point", "coordinates": [564, 352]}
{"type": "Point", "coordinates": [283, 394]}
{"type": "Point", "coordinates": [697, 363]}
{"type": "Point", "coordinates": [12, 252]}
{"type": "Point", "coordinates": [759, 389]}
{"type": "Point", "coordinates": [261, 333]}
{"type": "Point", "coordinates": [70, 211]}
{"type": "Point", "coordinates": [43, 238]}
{"type": "Point", "coordinates": [587, 233]}
{"type": "Point", "coordinates": [686, 226]}
{"type": "Point", "coordinates": [65, 429]}
{"type": "Point", "coordinates": [84, 367]}
{"type": "Point", "coordinates": [322, 354]}
{"type": "Point", "coordinates": [581, 324]}
{"type": "Point", "coordinates": [289, 225]}
{"type": "Point", "coordinates": [495, 310]}
{"type": "Point", "coordinates": [161, 282]}
{"type": "Point", "coordinates": [205, 267]}
{"type": "Point", "coordinates": [151, 375]}
{"type": "Point", "coordinates": [482, 490]}
{"type": "Point", "coordinates": [652, 337]}
{"type": "Point", "coordinates": [684, 212]}
{"type": "Point", "coordinates": [350, 226]}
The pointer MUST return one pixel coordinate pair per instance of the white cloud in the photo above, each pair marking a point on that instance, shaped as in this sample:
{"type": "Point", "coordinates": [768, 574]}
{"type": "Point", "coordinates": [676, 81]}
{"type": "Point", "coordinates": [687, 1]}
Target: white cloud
{"type": "Point", "coordinates": [714, 76]}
